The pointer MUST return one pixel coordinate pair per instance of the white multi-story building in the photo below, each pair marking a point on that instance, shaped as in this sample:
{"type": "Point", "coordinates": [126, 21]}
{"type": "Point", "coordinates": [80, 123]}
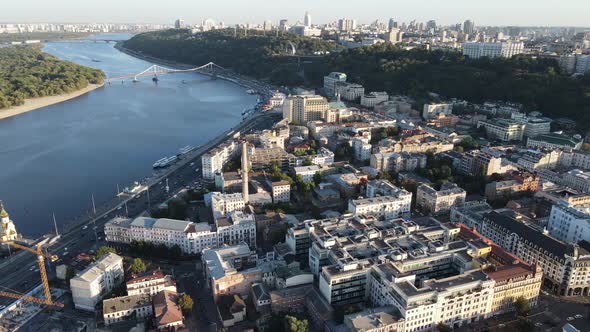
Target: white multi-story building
{"type": "Point", "coordinates": [349, 91]}
{"type": "Point", "coordinates": [434, 201]}
{"type": "Point", "coordinates": [331, 81]}
{"type": "Point", "coordinates": [214, 160]}
{"type": "Point", "coordinates": [192, 238]}
{"type": "Point", "coordinates": [432, 111]}
{"type": "Point", "coordinates": [301, 109]}
{"type": "Point", "coordinates": [537, 126]}
{"type": "Point", "coordinates": [504, 129]}
{"type": "Point", "coordinates": [150, 283]}
{"type": "Point", "coordinates": [476, 50]}
{"type": "Point", "coordinates": [398, 162]}
{"type": "Point", "coordinates": [223, 204]}
{"type": "Point", "coordinates": [533, 160]}
{"type": "Point", "coordinates": [397, 203]}
{"type": "Point", "coordinates": [361, 149]}
{"type": "Point", "coordinates": [238, 227]}
{"type": "Point", "coordinates": [374, 98]}
{"type": "Point", "coordinates": [324, 157]}
{"type": "Point", "coordinates": [554, 141]}
{"type": "Point", "coordinates": [98, 279]}
{"type": "Point", "coordinates": [281, 192]}
{"type": "Point", "coordinates": [122, 308]}
{"type": "Point", "coordinates": [578, 180]}
{"type": "Point", "coordinates": [569, 222]}
{"type": "Point", "coordinates": [307, 172]}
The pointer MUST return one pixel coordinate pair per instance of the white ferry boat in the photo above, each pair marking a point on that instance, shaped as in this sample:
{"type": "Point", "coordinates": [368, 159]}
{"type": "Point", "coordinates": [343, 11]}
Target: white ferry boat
{"type": "Point", "coordinates": [186, 150]}
{"type": "Point", "coordinates": [169, 161]}
{"type": "Point", "coordinates": [159, 162]}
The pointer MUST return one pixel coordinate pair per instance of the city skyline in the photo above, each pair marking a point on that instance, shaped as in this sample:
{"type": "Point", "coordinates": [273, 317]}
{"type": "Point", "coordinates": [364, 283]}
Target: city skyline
{"type": "Point", "coordinates": [499, 13]}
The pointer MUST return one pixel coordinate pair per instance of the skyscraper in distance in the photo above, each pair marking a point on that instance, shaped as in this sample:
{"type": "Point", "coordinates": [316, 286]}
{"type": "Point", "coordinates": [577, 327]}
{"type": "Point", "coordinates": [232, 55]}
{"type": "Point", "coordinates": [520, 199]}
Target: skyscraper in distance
{"type": "Point", "coordinates": [469, 27]}
{"type": "Point", "coordinates": [392, 24]}
{"type": "Point", "coordinates": [307, 19]}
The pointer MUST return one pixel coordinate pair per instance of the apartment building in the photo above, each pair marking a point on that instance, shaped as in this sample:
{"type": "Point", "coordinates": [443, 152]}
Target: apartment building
{"type": "Point", "coordinates": [123, 308]}
{"type": "Point", "coordinates": [331, 82]}
{"type": "Point", "coordinates": [98, 279]}
{"type": "Point", "coordinates": [397, 204]}
{"type": "Point", "coordinates": [150, 283]}
{"type": "Point", "coordinates": [513, 277]}
{"type": "Point", "coordinates": [223, 204]}
{"type": "Point", "coordinates": [304, 108]}
{"type": "Point", "coordinates": [281, 192]}
{"type": "Point", "coordinates": [476, 50]}
{"type": "Point", "coordinates": [383, 319]}
{"type": "Point", "coordinates": [307, 172]}
{"type": "Point", "coordinates": [372, 99]}
{"type": "Point", "coordinates": [564, 266]}
{"type": "Point", "coordinates": [505, 130]}
{"type": "Point", "coordinates": [432, 111]}
{"type": "Point", "coordinates": [238, 227]}
{"type": "Point", "coordinates": [577, 179]}
{"type": "Point", "coordinates": [554, 141]}
{"type": "Point", "coordinates": [191, 237]}
{"type": "Point", "coordinates": [398, 162]}
{"type": "Point", "coordinates": [262, 159]}
{"type": "Point", "coordinates": [518, 184]}
{"type": "Point", "coordinates": [485, 161]}
{"type": "Point", "coordinates": [230, 270]}
{"type": "Point", "coordinates": [534, 160]}
{"type": "Point", "coordinates": [432, 201]}
{"type": "Point", "coordinates": [570, 222]}
{"type": "Point", "coordinates": [349, 91]}
{"type": "Point", "coordinates": [214, 160]}
{"type": "Point", "coordinates": [537, 126]}
{"type": "Point", "coordinates": [361, 149]}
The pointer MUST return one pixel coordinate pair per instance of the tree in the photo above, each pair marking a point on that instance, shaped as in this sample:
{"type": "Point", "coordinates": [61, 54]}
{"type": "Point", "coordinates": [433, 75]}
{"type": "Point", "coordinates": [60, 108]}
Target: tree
{"type": "Point", "coordinates": [307, 161]}
{"type": "Point", "coordinates": [70, 273]}
{"type": "Point", "coordinates": [441, 327]}
{"type": "Point", "coordinates": [522, 306]}
{"type": "Point", "coordinates": [138, 266]}
{"type": "Point", "coordinates": [185, 302]}
{"type": "Point", "coordinates": [317, 178]}
{"type": "Point", "coordinates": [103, 251]}
{"type": "Point", "coordinates": [293, 324]}
{"type": "Point", "coordinates": [525, 325]}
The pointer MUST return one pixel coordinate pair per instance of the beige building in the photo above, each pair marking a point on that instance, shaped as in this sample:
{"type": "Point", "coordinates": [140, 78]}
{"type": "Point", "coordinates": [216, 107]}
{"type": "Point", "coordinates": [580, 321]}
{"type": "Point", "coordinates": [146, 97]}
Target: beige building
{"type": "Point", "coordinates": [122, 308]}
{"type": "Point", "coordinates": [434, 201]}
{"type": "Point", "coordinates": [304, 108]}
{"type": "Point", "coordinates": [150, 283]}
{"type": "Point", "coordinates": [230, 270]}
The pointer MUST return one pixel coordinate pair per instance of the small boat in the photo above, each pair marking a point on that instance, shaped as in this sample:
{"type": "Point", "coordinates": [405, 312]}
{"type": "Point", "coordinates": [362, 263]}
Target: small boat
{"type": "Point", "coordinates": [95, 60]}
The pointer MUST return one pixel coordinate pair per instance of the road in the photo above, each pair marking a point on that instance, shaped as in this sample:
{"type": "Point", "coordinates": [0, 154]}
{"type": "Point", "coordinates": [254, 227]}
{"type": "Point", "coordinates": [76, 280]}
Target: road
{"type": "Point", "coordinates": [18, 274]}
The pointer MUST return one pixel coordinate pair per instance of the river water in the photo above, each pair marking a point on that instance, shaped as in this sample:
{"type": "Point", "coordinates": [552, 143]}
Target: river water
{"type": "Point", "coordinates": [52, 160]}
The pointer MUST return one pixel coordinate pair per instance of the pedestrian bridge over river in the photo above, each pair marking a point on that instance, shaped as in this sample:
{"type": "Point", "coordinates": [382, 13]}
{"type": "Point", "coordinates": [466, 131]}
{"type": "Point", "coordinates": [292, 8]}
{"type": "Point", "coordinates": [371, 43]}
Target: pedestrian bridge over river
{"type": "Point", "coordinates": [156, 70]}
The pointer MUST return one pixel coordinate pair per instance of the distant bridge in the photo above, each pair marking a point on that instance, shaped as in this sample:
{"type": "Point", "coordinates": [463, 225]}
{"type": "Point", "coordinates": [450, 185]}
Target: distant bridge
{"type": "Point", "coordinates": [156, 70]}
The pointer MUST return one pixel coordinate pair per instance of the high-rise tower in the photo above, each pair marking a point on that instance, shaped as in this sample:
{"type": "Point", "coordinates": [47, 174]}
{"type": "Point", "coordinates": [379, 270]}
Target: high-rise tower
{"type": "Point", "coordinates": [245, 172]}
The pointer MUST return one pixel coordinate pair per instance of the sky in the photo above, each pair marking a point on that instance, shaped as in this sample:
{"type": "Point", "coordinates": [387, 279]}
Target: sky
{"type": "Point", "coordinates": [483, 12]}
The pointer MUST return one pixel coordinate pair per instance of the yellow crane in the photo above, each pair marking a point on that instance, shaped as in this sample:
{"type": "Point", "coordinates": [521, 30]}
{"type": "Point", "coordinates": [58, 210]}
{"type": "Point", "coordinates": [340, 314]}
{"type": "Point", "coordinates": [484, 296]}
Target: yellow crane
{"type": "Point", "coordinates": [41, 261]}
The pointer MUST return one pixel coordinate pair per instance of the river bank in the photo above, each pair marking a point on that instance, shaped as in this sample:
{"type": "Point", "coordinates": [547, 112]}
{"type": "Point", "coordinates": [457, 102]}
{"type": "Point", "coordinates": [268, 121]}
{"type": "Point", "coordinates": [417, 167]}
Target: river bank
{"type": "Point", "coordinates": [36, 103]}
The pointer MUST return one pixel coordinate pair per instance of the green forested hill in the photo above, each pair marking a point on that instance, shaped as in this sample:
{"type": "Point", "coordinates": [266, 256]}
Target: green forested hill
{"type": "Point", "coordinates": [258, 55]}
{"type": "Point", "coordinates": [26, 72]}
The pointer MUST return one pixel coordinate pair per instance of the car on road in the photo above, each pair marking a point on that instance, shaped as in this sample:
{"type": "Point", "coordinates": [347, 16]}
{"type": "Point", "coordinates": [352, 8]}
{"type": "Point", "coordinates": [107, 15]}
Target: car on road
{"type": "Point", "coordinates": [32, 268]}
{"type": "Point", "coordinates": [578, 316]}
{"type": "Point", "coordinates": [569, 319]}
{"type": "Point", "coordinates": [84, 227]}
{"type": "Point", "coordinates": [538, 324]}
{"type": "Point", "coordinates": [501, 325]}
{"type": "Point", "coordinates": [2, 307]}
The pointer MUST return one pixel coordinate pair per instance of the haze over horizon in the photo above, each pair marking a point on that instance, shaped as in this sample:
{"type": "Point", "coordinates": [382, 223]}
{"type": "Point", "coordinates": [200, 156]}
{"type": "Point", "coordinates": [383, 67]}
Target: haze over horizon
{"type": "Point", "coordinates": [496, 13]}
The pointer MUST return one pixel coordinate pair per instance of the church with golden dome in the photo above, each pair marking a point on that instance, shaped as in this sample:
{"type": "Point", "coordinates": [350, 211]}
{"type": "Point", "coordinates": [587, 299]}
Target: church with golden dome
{"type": "Point", "coordinates": [7, 228]}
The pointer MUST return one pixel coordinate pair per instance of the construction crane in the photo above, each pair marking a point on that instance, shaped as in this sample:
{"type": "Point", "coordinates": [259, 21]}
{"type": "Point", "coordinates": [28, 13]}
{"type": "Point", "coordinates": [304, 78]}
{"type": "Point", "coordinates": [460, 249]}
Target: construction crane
{"type": "Point", "coordinates": [41, 261]}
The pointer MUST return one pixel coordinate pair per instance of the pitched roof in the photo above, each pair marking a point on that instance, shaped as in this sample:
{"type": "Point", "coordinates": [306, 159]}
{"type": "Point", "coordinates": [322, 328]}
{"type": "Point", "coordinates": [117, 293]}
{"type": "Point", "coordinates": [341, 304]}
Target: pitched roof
{"type": "Point", "coordinates": [165, 308]}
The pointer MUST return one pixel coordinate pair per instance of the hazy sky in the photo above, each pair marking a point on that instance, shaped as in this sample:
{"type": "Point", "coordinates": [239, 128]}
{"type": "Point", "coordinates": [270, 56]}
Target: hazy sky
{"type": "Point", "coordinates": [484, 12]}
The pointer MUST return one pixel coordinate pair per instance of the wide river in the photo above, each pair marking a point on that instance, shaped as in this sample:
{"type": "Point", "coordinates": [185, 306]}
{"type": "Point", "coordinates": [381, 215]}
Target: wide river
{"type": "Point", "coordinates": [52, 160]}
